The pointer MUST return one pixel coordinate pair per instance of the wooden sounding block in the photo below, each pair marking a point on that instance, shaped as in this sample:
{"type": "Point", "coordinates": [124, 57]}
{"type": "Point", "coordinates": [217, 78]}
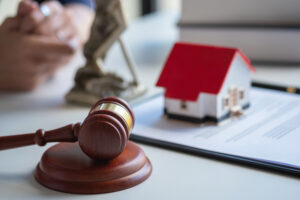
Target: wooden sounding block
{"type": "Point", "coordinates": [99, 160]}
{"type": "Point", "coordinates": [64, 167]}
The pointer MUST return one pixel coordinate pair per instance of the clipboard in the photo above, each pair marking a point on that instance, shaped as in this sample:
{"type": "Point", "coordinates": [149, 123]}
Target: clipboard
{"type": "Point", "coordinates": [267, 165]}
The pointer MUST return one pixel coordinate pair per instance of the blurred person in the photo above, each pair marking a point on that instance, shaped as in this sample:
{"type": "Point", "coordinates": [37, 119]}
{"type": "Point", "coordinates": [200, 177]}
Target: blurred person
{"type": "Point", "coordinates": [40, 39]}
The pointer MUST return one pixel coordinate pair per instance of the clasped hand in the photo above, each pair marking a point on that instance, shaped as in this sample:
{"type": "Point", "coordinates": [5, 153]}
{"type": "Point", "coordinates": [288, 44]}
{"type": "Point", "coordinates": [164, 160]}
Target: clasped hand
{"type": "Point", "coordinates": [33, 46]}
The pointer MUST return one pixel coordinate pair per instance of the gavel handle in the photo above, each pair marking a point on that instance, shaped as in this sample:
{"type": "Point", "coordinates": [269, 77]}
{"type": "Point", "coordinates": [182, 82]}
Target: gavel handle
{"type": "Point", "coordinates": [67, 133]}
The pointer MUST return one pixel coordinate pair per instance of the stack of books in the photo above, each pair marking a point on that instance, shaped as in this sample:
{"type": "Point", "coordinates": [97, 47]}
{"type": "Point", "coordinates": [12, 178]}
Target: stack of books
{"type": "Point", "coordinates": [267, 31]}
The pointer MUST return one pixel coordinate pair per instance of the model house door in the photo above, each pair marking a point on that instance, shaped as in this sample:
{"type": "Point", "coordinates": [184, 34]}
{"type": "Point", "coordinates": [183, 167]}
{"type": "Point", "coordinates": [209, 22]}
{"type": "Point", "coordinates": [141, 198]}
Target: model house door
{"type": "Point", "coordinates": [234, 104]}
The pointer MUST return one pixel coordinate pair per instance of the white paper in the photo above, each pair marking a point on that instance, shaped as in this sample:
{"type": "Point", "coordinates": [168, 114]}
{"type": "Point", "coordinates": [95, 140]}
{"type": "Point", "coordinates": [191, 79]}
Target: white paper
{"type": "Point", "coordinates": [269, 130]}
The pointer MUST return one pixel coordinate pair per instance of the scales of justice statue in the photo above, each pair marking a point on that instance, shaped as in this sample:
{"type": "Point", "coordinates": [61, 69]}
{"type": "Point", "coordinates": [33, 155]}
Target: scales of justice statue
{"type": "Point", "coordinates": [91, 82]}
{"type": "Point", "coordinates": [94, 156]}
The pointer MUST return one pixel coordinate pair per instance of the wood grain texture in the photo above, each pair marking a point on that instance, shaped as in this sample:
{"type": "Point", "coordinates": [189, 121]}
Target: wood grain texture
{"type": "Point", "coordinates": [102, 135]}
{"type": "Point", "coordinates": [114, 100]}
{"type": "Point", "coordinates": [64, 167]}
{"type": "Point", "coordinates": [67, 133]}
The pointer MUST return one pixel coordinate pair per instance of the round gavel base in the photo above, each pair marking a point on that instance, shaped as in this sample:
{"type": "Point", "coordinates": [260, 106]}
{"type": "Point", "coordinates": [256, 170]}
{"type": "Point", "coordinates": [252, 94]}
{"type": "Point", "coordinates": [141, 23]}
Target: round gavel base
{"type": "Point", "coordinates": [64, 167]}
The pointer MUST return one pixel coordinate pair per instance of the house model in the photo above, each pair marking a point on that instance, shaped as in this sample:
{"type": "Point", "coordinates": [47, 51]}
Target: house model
{"type": "Point", "coordinates": [205, 83]}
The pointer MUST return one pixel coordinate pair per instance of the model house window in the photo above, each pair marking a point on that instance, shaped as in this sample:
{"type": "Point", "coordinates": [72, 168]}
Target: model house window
{"type": "Point", "coordinates": [242, 94]}
{"type": "Point", "coordinates": [225, 103]}
{"type": "Point", "coordinates": [183, 105]}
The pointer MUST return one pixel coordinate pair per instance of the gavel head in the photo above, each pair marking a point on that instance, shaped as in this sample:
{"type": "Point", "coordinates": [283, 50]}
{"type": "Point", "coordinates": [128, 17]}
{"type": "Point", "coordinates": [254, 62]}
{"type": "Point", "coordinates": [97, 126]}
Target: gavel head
{"type": "Point", "coordinates": [104, 133]}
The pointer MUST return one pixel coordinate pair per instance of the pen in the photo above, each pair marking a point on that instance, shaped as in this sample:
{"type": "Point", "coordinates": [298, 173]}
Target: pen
{"type": "Point", "coordinates": [288, 89]}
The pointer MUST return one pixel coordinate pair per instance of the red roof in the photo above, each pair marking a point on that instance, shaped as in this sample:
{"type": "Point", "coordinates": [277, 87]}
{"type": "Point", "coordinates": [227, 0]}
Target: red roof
{"type": "Point", "coordinates": [191, 69]}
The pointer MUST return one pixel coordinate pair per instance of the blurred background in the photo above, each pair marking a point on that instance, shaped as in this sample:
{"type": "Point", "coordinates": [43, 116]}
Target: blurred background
{"type": "Point", "coordinates": [133, 8]}
{"type": "Point", "coordinates": [268, 34]}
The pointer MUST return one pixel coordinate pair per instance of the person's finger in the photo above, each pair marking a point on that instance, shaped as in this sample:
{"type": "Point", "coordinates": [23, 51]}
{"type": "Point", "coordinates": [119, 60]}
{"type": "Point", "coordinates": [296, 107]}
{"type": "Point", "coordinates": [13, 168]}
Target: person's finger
{"type": "Point", "coordinates": [57, 21]}
{"type": "Point", "coordinates": [66, 32]}
{"type": "Point", "coordinates": [10, 23]}
{"type": "Point", "coordinates": [31, 21]}
{"type": "Point", "coordinates": [37, 66]}
{"type": "Point", "coordinates": [51, 8]}
{"type": "Point", "coordinates": [51, 24]}
{"type": "Point", "coordinates": [54, 7]}
{"type": "Point", "coordinates": [49, 46]}
{"type": "Point", "coordinates": [37, 19]}
{"type": "Point", "coordinates": [25, 7]}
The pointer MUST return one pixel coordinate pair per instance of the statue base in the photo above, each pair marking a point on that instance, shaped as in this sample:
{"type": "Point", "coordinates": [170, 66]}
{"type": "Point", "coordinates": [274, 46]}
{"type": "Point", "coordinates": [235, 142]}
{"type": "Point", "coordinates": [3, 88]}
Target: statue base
{"type": "Point", "coordinates": [87, 98]}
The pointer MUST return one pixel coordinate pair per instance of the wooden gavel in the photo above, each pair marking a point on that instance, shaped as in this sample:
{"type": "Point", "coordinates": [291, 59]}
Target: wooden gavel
{"type": "Point", "coordinates": [102, 135]}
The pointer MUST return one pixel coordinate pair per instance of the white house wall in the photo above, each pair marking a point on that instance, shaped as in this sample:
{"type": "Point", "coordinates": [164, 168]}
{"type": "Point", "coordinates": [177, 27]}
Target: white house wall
{"type": "Point", "coordinates": [204, 106]}
{"type": "Point", "coordinates": [210, 104]}
{"type": "Point", "coordinates": [239, 75]}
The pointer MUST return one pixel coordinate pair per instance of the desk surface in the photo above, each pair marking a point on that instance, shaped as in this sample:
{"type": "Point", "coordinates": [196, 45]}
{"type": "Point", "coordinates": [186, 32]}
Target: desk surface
{"type": "Point", "coordinates": [175, 175]}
